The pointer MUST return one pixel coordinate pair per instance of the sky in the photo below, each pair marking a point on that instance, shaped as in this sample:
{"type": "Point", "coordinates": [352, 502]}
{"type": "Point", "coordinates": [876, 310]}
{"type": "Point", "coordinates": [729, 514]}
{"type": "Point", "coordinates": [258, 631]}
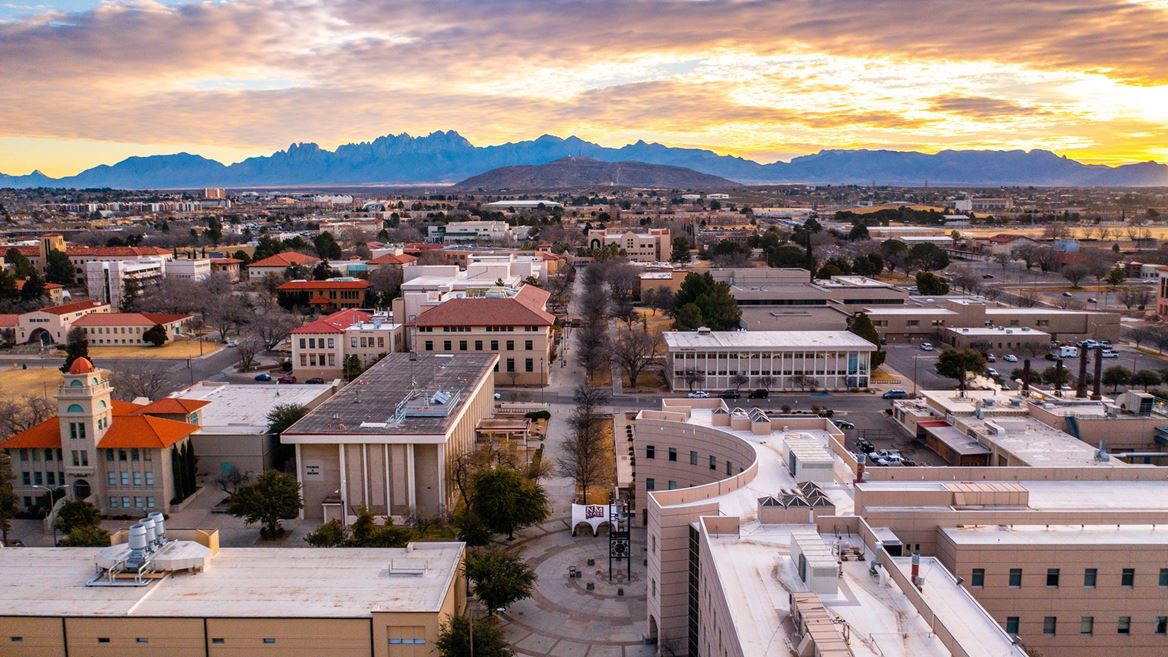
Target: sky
{"type": "Point", "coordinates": [91, 82]}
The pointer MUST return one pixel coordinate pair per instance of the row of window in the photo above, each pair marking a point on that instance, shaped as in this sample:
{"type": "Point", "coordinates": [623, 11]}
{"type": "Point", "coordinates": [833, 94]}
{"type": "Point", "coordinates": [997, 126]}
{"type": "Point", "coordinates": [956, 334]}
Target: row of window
{"type": "Point", "coordinates": [651, 453]}
{"type": "Point", "coordinates": [528, 345]}
{"type": "Point", "coordinates": [132, 503]}
{"type": "Point", "coordinates": [528, 365]}
{"type": "Point", "coordinates": [1127, 577]}
{"type": "Point", "coordinates": [367, 341]}
{"type": "Point", "coordinates": [312, 360]}
{"type": "Point", "coordinates": [133, 455]}
{"type": "Point", "coordinates": [36, 478]}
{"type": "Point", "coordinates": [1123, 625]}
{"type": "Point", "coordinates": [312, 343]}
{"type": "Point", "coordinates": [33, 455]}
{"type": "Point", "coordinates": [114, 478]}
{"type": "Point", "coordinates": [468, 329]}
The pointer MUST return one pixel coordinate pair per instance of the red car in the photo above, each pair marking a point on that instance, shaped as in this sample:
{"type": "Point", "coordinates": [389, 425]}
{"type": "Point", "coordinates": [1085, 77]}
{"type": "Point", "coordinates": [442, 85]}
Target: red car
{"type": "Point", "coordinates": [287, 378]}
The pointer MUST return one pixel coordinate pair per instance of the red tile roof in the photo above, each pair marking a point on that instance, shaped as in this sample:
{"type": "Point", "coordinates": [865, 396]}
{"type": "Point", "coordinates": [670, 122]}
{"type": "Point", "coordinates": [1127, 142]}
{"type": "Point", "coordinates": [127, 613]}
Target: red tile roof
{"type": "Point", "coordinates": [330, 284]}
{"type": "Point", "coordinates": [48, 286]}
{"type": "Point", "coordinates": [171, 406]}
{"type": "Point", "coordinates": [391, 259]}
{"type": "Point", "coordinates": [45, 434]}
{"type": "Point", "coordinates": [1006, 238]}
{"type": "Point", "coordinates": [129, 319]}
{"type": "Point", "coordinates": [67, 308]}
{"type": "Point", "coordinates": [116, 251]}
{"type": "Point", "coordinates": [524, 309]}
{"type": "Point", "coordinates": [129, 428]}
{"type": "Point", "coordinates": [226, 261]}
{"type": "Point", "coordinates": [287, 259]}
{"type": "Point", "coordinates": [334, 323]}
{"type": "Point", "coordinates": [9, 320]}
{"type": "Point", "coordinates": [81, 365]}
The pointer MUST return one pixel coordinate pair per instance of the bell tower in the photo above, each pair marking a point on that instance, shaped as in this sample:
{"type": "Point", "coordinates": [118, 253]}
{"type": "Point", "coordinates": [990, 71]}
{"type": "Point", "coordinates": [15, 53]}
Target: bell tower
{"type": "Point", "coordinates": [85, 412]}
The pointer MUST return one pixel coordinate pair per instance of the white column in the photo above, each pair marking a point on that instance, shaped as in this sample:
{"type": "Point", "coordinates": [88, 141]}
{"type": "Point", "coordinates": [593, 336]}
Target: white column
{"type": "Point", "coordinates": [365, 474]}
{"type": "Point", "coordinates": [344, 486]}
{"type": "Point", "coordinates": [300, 477]}
{"type": "Point", "coordinates": [441, 478]}
{"type": "Point", "coordinates": [389, 486]}
{"type": "Point", "coordinates": [411, 484]}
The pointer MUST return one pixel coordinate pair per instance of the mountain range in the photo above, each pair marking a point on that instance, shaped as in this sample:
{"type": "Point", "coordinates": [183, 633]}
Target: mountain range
{"type": "Point", "coordinates": [579, 172]}
{"type": "Point", "coordinates": [443, 157]}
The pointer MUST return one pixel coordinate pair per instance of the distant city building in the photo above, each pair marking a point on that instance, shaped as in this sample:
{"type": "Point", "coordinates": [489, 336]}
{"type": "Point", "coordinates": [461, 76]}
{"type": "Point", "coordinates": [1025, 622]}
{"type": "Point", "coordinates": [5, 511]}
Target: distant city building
{"type": "Point", "coordinates": [214, 193]}
{"type": "Point", "coordinates": [474, 231]}
{"type": "Point", "coordinates": [321, 347]}
{"type": "Point", "coordinates": [50, 325]}
{"type": "Point", "coordinates": [650, 245]}
{"type": "Point", "coordinates": [329, 294]}
{"type": "Point", "coordinates": [276, 265]}
{"type": "Point", "coordinates": [121, 329]}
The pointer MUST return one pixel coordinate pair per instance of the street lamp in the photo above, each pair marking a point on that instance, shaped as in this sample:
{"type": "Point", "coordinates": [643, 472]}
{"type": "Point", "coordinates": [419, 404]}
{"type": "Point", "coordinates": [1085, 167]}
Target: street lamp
{"type": "Point", "coordinates": [52, 503]}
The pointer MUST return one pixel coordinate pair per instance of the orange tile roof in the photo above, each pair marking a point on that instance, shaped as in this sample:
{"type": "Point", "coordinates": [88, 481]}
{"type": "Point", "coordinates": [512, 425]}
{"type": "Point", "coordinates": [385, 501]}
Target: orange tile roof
{"type": "Point", "coordinates": [129, 319]}
{"type": "Point", "coordinates": [67, 308]}
{"type": "Point", "coordinates": [171, 406]}
{"type": "Point", "coordinates": [391, 259]}
{"type": "Point", "coordinates": [285, 260]}
{"type": "Point", "coordinates": [520, 310]}
{"type": "Point", "coordinates": [334, 323]}
{"type": "Point", "coordinates": [8, 320]}
{"type": "Point", "coordinates": [226, 261]}
{"type": "Point", "coordinates": [116, 251]}
{"type": "Point", "coordinates": [45, 434]}
{"type": "Point", "coordinates": [330, 284]}
{"type": "Point", "coordinates": [145, 431]}
{"type": "Point", "coordinates": [48, 286]}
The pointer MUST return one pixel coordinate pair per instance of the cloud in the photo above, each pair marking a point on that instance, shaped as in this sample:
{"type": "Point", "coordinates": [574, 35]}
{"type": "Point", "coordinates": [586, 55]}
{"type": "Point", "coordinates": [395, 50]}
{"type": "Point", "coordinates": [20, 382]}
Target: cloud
{"type": "Point", "coordinates": [748, 76]}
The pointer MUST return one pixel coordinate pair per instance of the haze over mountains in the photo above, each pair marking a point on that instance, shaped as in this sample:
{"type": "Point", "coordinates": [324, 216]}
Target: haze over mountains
{"type": "Point", "coordinates": [578, 172]}
{"type": "Point", "coordinates": [447, 157]}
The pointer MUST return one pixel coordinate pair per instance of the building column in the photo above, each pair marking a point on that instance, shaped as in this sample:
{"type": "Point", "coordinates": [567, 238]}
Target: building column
{"type": "Point", "coordinates": [365, 474]}
{"type": "Point", "coordinates": [441, 479]}
{"type": "Point", "coordinates": [388, 483]}
{"type": "Point", "coordinates": [344, 486]}
{"type": "Point", "coordinates": [411, 483]}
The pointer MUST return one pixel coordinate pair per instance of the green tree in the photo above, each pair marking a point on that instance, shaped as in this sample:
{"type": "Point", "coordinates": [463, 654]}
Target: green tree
{"type": "Point", "coordinates": [1116, 277]}
{"type": "Point", "coordinates": [862, 326]}
{"type": "Point", "coordinates": [680, 251]}
{"type": "Point", "coordinates": [8, 289]}
{"type": "Point", "coordinates": [86, 536]}
{"type": "Point", "coordinates": [326, 246]}
{"type": "Point", "coordinates": [930, 284]}
{"type": "Point", "coordinates": [76, 346]}
{"type": "Point", "coordinates": [1145, 378]}
{"type": "Point", "coordinates": [788, 256]}
{"type": "Point", "coordinates": [283, 416]}
{"type": "Point", "coordinates": [352, 367]}
{"type": "Point", "coordinates": [859, 231]}
{"type": "Point", "coordinates": [8, 506]}
{"type": "Point", "coordinates": [58, 268]}
{"type": "Point", "coordinates": [958, 363]}
{"type": "Point", "coordinates": [687, 317]}
{"type": "Point", "coordinates": [131, 290]}
{"type": "Point", "coordinates": [1116, 376]}
{"type": "Point", "coordinates": [365, 532]}
{"type": "Point", "coordinates": [1056, 376]}
{"type": "Point", "coordinates": [21, 266]}
{"type": "Point", "coordinates": [155, 335]}
{"type": "Point", "coordinates": [719, 310]}
{"type": "Point", "coordinates": [500, 577]}
{"type": "Point", "coordinates": [927, 256]}
{"type": "Point", "coordinates": [465, 637]}
{"type": "Point", "coordinates": [894, 253]}
{"type": "Point", "coordinates": [505, 500]}
{"type": "Point", "coordinates": [77, 513]}
{"type": "Point", "coordinates": [272, 497]}
{"type": "Point", "coordinates": [330, 534]}
{"type": "Point", "coordinates": [241, 255]}
{"type": "Point", "coordinates": [266, 247]}
{"type": "Point", "coordinates": [33, 288]}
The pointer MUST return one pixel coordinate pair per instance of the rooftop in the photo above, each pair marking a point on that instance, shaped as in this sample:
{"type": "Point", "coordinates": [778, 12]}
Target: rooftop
{"type": "Point", "coordinates": [285, 259]}
{"type": "Point", "coordinates": [74, 307]}
{"type": "Point", "coordinates": [253, 582]}
{"type": "Point", "coordinates": [378, 403]}
{"type": "Point", "coordinates": [328, 284]}
{"type": "Point", "coordinates": [243, 408]}
{"type": "Point", "coordinates": [129, 319]}
{"type": "Point", "coordinates": [842, 340]}
{"type": "Point", "coordinates": [994, 331]}
{"type": "Point", "coordinates": [1134, 535]}
{"type": "Point", "coordinates": [334, 323]}
{"type": "Point", "coordinates": [526, 308]}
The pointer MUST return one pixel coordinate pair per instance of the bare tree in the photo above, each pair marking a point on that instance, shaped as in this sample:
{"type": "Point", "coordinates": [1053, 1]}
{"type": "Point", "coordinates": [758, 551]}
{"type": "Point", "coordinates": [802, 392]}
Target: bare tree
{"type": "Point", "coordinates": [633, 349]}
{"type": "Point", "coordinates": [966, 281]}
{"type": "Point", "coordinates": [1003, 259]}
{"type": "Point", "coordinates": [622, 279]}
{"type": "Point", "coordinates": [585, 457]}
{"type": "Point", "coordinates": [17, 415]}
{"type": "Point", "coordinates": [227, 314]}
{"type": "Point", "coordinates": [148, 381]}
{"type": "Point", "coordinates": [1134, 296]}
{"type": "Point", "coordinates": [230, 480]}
{"type": "Point", "coordinates": [272, 324]}
{"type": "Point", "coordinates": [692, 378]}
{"type": "Point", "coordinates": [176, 295]}
{"type": "Point", "coordinates": [248, 349]}
{"type": "Point", "coordinates": [385, 283]}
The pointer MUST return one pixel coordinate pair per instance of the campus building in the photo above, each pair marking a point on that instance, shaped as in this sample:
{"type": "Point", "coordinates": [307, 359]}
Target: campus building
{"type": "Point", "coordinates": [321, 347]}
{"type": "Point", "coordinates": [277, 264]}
{"type": "Point", "coordinates": [200, 600]}
{"type": "Point", "coordinates": [388, 441]}
{"type": "Point", "coordinates": [934, 318]}
{"type": "Point", "coordinates": [115, 454]}
{"type": "Point", "coordinates": [327, 295]}
{"type": "Point", "coordinates": [774, 360]}
{"type": "Point", "coordinates": [50, 325]}
{"type": "Point", "coordinates": [127, 329]}
{"type": "Point", "coordinates": [648, 245]}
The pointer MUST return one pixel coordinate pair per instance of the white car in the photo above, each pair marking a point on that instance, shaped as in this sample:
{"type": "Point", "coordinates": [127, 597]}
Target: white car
{"type": "Point", "coordinates": [1109, 353]}
{"type": "Point", "coordinates": [698, 394]}
{"type": "Point", "coordinates": [926, 346]}
{"type": "Point", "coordinates": [990, 358]}
{"type": "Point", "coordinates": [1010, 358]}
{"type": "Point", "coordinates": [992, 373]}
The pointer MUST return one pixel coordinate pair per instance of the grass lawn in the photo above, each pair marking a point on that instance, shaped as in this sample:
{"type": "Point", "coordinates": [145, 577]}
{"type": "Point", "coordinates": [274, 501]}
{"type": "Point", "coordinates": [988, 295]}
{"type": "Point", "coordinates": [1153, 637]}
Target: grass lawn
{"type": "Point", "coordinates": [882, 375]}
{"type": "Point", "coordinates": [656, 321]}
{"type": "Point", "coordinates": [174, 349]}
{"type": "Point", "coordinates": [39, 382]}
{"type": "Point", "coordinates": [647, 382]}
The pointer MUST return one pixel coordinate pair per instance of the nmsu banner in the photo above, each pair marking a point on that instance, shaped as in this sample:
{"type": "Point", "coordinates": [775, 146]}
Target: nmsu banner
{"type": "Point", "coordinates": [593, 514]}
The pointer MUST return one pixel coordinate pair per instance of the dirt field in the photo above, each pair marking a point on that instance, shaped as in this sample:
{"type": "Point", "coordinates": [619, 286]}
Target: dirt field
{"type": "Point", "coordinates": [38, 382]}
{"type": "Point", "coordinates": [175, 349]}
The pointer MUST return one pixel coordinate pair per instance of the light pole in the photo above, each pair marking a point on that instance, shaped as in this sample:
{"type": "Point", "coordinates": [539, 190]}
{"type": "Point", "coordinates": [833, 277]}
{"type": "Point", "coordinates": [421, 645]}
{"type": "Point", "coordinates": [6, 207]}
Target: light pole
{"type": "Point", "coordinates": [543, 384]}
{"type": "Point", "coordinates": [52, 503]}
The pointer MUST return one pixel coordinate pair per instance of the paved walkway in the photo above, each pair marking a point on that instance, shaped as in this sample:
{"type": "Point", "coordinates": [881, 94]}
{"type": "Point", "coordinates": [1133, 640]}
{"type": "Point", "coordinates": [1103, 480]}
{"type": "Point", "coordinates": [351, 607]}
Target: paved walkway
{"type": "Point", "coordinates": [563, 618]}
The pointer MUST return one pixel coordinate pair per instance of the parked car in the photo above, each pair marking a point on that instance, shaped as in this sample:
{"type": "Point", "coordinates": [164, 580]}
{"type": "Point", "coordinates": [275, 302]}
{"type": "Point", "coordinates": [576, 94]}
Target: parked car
{"type": "Point", "coordinates": [315, 379]}
{"type": "Point", "coordinates": [760, 393]}
{"type": "Point", "coordinates": [698, 394]}
{"type": "Point", "coordinates": [1068, 352]}
{"type": "Point", "coordinates": [1066, 387]}
{"type": "Point", "coordinates": [926, 346]}
{"type": "Point", "coordinates": [1010, 358]}
{"type": "Point", "coordinates": [287, 378]}
{"type": "Point", "coordinates": [730, 394]}
{"type": "Point", "coordinates": [990, 358]}
{"type": "Point", "coordinates": [844, 424]}
{"type": "Point", "coordinates": [895, 394]}
{"type": "Point", "coordinates": [263, 376]}
{"type": "Point", "coordinates": [1067, 294]}
{"type": "Point", "coordinates": [1109, 353]}
{"type": "Point", "coordinates": [992, 373]}
{"type": "Point", "coordinates": [1092, 300]}
{"type": "Point", "coordinates": [987, 276]}
{"type": "Point", "coordinates": [865, 446]}
{"type": "Point", "coordinates": [1051, 357]}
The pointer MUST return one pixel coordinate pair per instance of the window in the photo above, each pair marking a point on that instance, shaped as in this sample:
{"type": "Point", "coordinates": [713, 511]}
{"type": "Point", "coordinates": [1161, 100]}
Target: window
{"type": "Point", "coordinates": [269, 641]}
{"type": "Point", "coordinates": [729, 468]}
{"type": "Point", "coordinates": [510, 345]}
{"type": "Point", "coordinates": [1012, 625]}
{"type": "Point", "coordinates": [16, 639]}
{"type": "Point", "coordinates": [446, 345]}
{"type": "Point", "coordinates": [673, 454]}
{"type": "Point", "coordinates": [149, 478]}
{"type": "Point", "coordinates": [650, 452]}
{"type": "Point", "coordinates": [713, 462]}
{"type": "Point", "coordinates": [527, 345]}
{"type": "Point", "coordinates": [462, 345]}
{"type": "Point", "coordinates": [650, 483]}
{"type": "Point", "coordinates": [494, 345]}
{"type": "Point", "coordinates": [137, 478]}
{"type": "Point", "coordinates": [125, 478]}
{"type": "Point", "coordinates": [528, 365]}
{"type": "Point", "coordinates": [150, 503]}
{"type": "Point", "coordinates": [1052, 578]}
{"type": "Point", "coordinates": [429, 345]}
{"type": "Point", "coordinates": [125, 502]}
{"type": "Point", "coordinates": [103, 639]}
{"type": "Point", "coordinates": [217, 641]}
{"type": "Point", "coordinates": [1049, 625]}
{"type": "Point", "coordinates": [113, 502]}
{"type": "Point", "coordinates": [672, 484]}
{"type": "Point", "coordinates": [1087, 625]}
{"type": "Point", "coordinates": [478, 345]}
{"type": "Point", "coordinates": [26, 478]}
{"type": "Point", "coordinates": [137, 502]}
{"type": "Point", "coordinates": [1015, 578]}
{"type": "Point", "coordinates": [1124, 626]}
{"type": "Point", "coordinates": [122, 455]}
{"type": "Point", "coordinates": [1128, 579]}
{"type": "Point", "coordinates": [111, 478]}
{"type": "Point", "coordinates": [693, 458]}
{"type": "Point", "coordinates": [977, 578]}
{"type": "Point", "coordinates": [1164, 577]}
{"type": "Point", "coordinates": [510, 364]}
{"type": "Point", "coordinates": [1089, 577]}
{"type": "Point", "coordinates": [142, 639]}
{"type": "Point", "coordinates": [1162, 625]}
